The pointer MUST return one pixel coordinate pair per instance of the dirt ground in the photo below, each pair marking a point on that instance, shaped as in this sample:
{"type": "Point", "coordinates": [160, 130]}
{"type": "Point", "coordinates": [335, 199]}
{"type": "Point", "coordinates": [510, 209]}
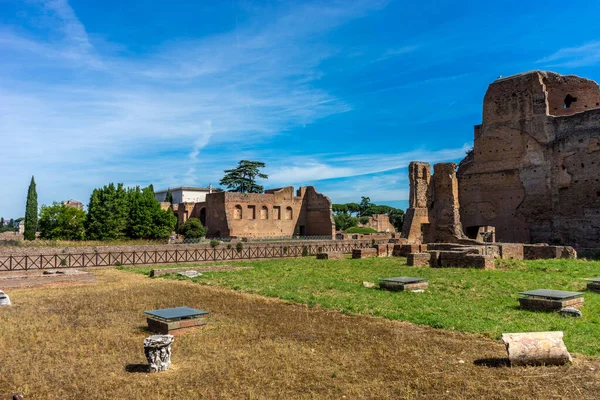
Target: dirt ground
{"type": "Point", "coordinates": [86, 342]}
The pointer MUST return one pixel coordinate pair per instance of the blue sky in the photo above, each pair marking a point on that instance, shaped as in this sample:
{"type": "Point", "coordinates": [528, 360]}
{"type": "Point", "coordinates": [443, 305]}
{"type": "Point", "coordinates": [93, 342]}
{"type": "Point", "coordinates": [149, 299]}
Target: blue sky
{"type": "Point", "coordinates": [340, 95]}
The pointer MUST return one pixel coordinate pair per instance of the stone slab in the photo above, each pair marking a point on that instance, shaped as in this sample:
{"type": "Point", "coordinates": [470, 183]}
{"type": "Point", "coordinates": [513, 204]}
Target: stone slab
{"type": "Point", "coordinates": [536, 348]}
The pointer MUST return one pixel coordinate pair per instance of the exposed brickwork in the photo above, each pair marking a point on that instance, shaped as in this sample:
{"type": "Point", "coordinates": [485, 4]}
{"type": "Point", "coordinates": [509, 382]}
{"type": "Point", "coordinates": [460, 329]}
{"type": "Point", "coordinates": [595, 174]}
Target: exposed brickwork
{"type": "Point", "coordinates": [330, 255]}
{"type": "Point", "coordinates": [433, 215]}
{"type": "Point", "coordinates": [538, 252]}
{"type": "Point", "coordinates": [364, 253]}
{"type": "Point", "coordinates": [418, 259]}
{"type": "Point", "coordinates": [533, 172]}
{"type": "Point", "coordinates": [540, 304]}
{"type": "Point", "coordinates": [511, 250]}
{"type": "Point", "coordinates": [380, 222]}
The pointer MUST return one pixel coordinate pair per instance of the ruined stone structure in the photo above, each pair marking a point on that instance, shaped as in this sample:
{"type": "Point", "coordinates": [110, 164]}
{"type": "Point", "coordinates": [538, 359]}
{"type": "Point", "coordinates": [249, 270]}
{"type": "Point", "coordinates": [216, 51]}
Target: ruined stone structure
{"type": "Point", "coordinates": [73, 203]}
{"type": "Point", "coordinates": [433, 215]}
{"type": "Point", "coordinates": [534, 171]}
{"type": "Point", "coordinates": [276, 213]}
{"type": "Point", "coordinates": [379, 222]}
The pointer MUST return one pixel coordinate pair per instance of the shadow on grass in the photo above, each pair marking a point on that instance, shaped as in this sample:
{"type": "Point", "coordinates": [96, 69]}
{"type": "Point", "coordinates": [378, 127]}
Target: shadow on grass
{"type": "Point", "coordinates": [137, 368]}
{"type": "Point", "coordinates": [494, 362]}
{"type": "Point", "coordinates": [144, 329]}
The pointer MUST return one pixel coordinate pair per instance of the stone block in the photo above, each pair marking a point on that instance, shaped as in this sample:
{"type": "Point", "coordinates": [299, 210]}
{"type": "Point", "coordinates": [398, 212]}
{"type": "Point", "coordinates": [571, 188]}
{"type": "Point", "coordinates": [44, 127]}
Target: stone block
{"type": "Point", "coordinates": [398, 286]}
{"type": "Point", "coordinates": [403, 250]}
{"type": "Point", "coordinates": [330, 255]}
{"type": "Point", "coordinates": [594, 286]}
{"type": "Point", "coordinates": [364, 253]}
{"type": "Point", "coordinates": [418, 259]}
{"type": "Point", "coordinates": [457, 259]}
{"type": "Point", "coordinates": [541, 304]}
{"type": "Point", "coordinates": [165, 327]}
{"type": "Point", "coordinates": [536, 348]}
{"type": "Point", "coordinates": [511, 250]}
{"type": "Point", "coordinates": [383, 250]}
{"type": "Point", "coordinates": [544, 251]}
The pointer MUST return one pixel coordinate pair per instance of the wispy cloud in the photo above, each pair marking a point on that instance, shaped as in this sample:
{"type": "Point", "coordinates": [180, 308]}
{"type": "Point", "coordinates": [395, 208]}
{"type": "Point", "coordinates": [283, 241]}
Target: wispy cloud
{"type": "Point", "coordinates": [581, 56]}
{"type": "Point", "coordinates": [106, 113]}
{"type": "Point", "coordinates": [306, 170]}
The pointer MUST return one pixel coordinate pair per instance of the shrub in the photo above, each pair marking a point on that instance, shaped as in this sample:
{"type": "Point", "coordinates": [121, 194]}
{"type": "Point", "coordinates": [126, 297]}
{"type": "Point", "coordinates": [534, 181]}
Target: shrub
{"type": "Point", "coordinates": [228, 246]}
{"type": "Point", "coordinates": [239, 246]}
{"type": "Point", "coordinates": [363, 220]}
{"type": "Point", "coordinates": [60, 221]}
{"type": "Point", "coordinates": [304, 251]}
{"type": "Point", "coordinates": [214, 243]}
{"type": "Point", "coordinates": [193, 229]}
{"type": "Point", "coordinates": [360, 230]}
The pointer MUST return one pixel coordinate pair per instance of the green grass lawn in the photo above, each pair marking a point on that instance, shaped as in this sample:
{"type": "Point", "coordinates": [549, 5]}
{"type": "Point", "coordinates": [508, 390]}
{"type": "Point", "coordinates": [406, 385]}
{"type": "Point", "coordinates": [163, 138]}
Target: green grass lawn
{"type": "Point", "coordinates": [467, 300]}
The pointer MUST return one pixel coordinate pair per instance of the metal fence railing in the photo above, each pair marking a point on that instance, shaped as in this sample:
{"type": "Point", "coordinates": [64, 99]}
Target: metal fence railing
{"type": "Point", "coordinates": [176, 255]}
{"type": "Point", "coordinates": [264, 239]}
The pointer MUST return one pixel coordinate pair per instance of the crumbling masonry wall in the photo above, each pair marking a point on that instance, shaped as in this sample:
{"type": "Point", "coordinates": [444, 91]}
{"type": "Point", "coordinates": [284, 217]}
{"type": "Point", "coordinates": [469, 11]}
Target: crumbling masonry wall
{"type": "Point", "coordinates": [533, 173]}
{"type": "Point", "coordinates": [433, 215]}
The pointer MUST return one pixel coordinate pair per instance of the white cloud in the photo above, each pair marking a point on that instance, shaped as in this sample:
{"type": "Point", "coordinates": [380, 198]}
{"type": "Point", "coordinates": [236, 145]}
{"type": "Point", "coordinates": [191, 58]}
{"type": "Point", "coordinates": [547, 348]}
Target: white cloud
{"type": "Point", "coordinates": [82, 118]}
{"type": "Point", "coordinates": [579, 56]}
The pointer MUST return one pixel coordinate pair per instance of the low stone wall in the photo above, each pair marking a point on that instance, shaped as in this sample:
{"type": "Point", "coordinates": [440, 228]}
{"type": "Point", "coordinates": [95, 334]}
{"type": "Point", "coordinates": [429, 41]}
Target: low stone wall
{"type": "Point", "coordinates": [32, 258]}
{"type": "Point", "coordinates": [543, 251]}
{"type": "Point", "coordinates": [364, 253]}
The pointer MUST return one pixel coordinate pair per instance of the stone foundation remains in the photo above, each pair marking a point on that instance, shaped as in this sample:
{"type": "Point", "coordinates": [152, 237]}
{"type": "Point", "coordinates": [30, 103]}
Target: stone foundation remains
{"type": "Point", "coordinates": [536, 348]}
{"type": "Point", "coordinates": [157, 349]}
{"type": "Point", "coordinates": [364, 253]}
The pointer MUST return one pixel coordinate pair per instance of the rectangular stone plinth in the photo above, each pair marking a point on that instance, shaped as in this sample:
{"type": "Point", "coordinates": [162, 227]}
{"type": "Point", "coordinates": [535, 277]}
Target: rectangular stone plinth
{"type": "Point", "coordinates": [594, 286]}
{"type": "Point", "coordinates": [364, 253]}
{"type": "Point", "coordinates": [457, 259]}
{"type": "Point", "coordinates": [330, 255]}
{"type": "Point", "coordinates": [164, 327]}
{"type": "Point", "coordinates": [398, 286]}
{"type": "Point", "coordinates": [542, 304]}
{"type": "Point", "coordinates": [383, 250]}
{"type": "Point", "coordinates": [418, 259]}
{"type": "Point", "coordinates": [403, 250]}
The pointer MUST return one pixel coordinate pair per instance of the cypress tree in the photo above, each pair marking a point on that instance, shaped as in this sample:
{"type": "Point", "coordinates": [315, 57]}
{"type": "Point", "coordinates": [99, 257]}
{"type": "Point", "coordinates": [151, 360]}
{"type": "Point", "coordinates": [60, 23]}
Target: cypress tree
{"type": "Point", "coordinates": [169, 197]}
{"type": "Point", "coordinates": [31, 212]}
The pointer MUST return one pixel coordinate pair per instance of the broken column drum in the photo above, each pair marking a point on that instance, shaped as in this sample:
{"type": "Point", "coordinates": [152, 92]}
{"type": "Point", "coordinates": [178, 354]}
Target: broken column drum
{"type": "Point", "coordinates": [536, 348]}
{"type": "Point", "coordinates": [157, 349]}
{"type": "Point", "coordinates": [4, 299]}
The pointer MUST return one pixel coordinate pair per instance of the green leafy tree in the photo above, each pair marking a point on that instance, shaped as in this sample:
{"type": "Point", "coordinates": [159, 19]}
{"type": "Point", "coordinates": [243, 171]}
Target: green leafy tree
{"type": "Point", "coordinates": [365, 203]}
{"type": "Point", "coordinates": [108, 213]}
{"type": "Point", "coordinates": [169, 196]}
{"type": "Point", "coordinates": [353, 208]}
{"type": "Point", "coordinates": [61, 222]}
{"type": "Point", "coordinates": [31, 212]}
{"type": "Point", "coordinates": [339, 208]}
{"type": "Point", "coordinates": [243, 177]}
{"type": "Point", "coordinates": [193, 229]}
{"type": "Point", "coordinates": [146, 218]}
{"type": "Point", "coordinates": [344, 221]}
{"type": "Point", "coordinates": [397, 218]}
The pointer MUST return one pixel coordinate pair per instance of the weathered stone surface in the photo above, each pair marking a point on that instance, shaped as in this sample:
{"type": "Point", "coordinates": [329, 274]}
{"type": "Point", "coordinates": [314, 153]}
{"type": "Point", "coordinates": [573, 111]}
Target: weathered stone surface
{"type": "Point", "coordinates": [158, 352]}
{"type": "Point", "coordinates": [190, 274]}
{"type": "Point", "coordinates": [403, 250]}
{"type": "Point", "coordinates": [4, 299]}
{"type": "Point", "coordinates": [364, 253]}
{"type": "Point", "coordinates": [368, 285]}
{"type": "Point", "coordinates": [418, 259]}
{"type": "Point", "coordinates": [532, 173]}
{"type": "Point", "coordinates": [536, 348]}
{"type": "Point", "coordinates": [570, 312]}
{"type": "Point", "coordinates": [383, 250]}
{"type": "Point", "coordinates": [544, 251]}
{"type": "Point", "coordinates": [462, 259]}
{"type": "Point", "coordinates": [433, 215]}
{"type": "Point", "coordinates": [511, 251]}
{"type": "Point", "coordinates": [398, 287]}
{"type": "Point", "coordinates": [379, 222]}
{"type": "Point", "coordinates": [330, 255]}
{"type": "Point", "coordinates": [541, 304]}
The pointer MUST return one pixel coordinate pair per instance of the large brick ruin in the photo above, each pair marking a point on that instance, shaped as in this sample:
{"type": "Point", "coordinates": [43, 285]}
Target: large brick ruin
{"type": "Point", "coordinates": [276, 213]}
{"type": "Point", "coordinates": [533, 173]}
{"type": "Point", "coordinates": [532, 176]}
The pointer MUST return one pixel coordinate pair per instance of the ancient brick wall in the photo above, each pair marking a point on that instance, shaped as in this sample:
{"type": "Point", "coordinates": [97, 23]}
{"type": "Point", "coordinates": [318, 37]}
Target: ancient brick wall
{"type": "Point", "coordinates": [276, 213]}
{"type": "Point", "coordinates": [379, 222]}
{"type": "Point", "coordinates": [417, 214]}
{"type": "Point", "coordinates": [533, 172]}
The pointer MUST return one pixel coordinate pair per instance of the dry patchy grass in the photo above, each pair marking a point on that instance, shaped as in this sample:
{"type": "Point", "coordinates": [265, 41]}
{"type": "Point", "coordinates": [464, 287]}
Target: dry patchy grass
{"type": "Point", "coordinates": [77, 343]}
